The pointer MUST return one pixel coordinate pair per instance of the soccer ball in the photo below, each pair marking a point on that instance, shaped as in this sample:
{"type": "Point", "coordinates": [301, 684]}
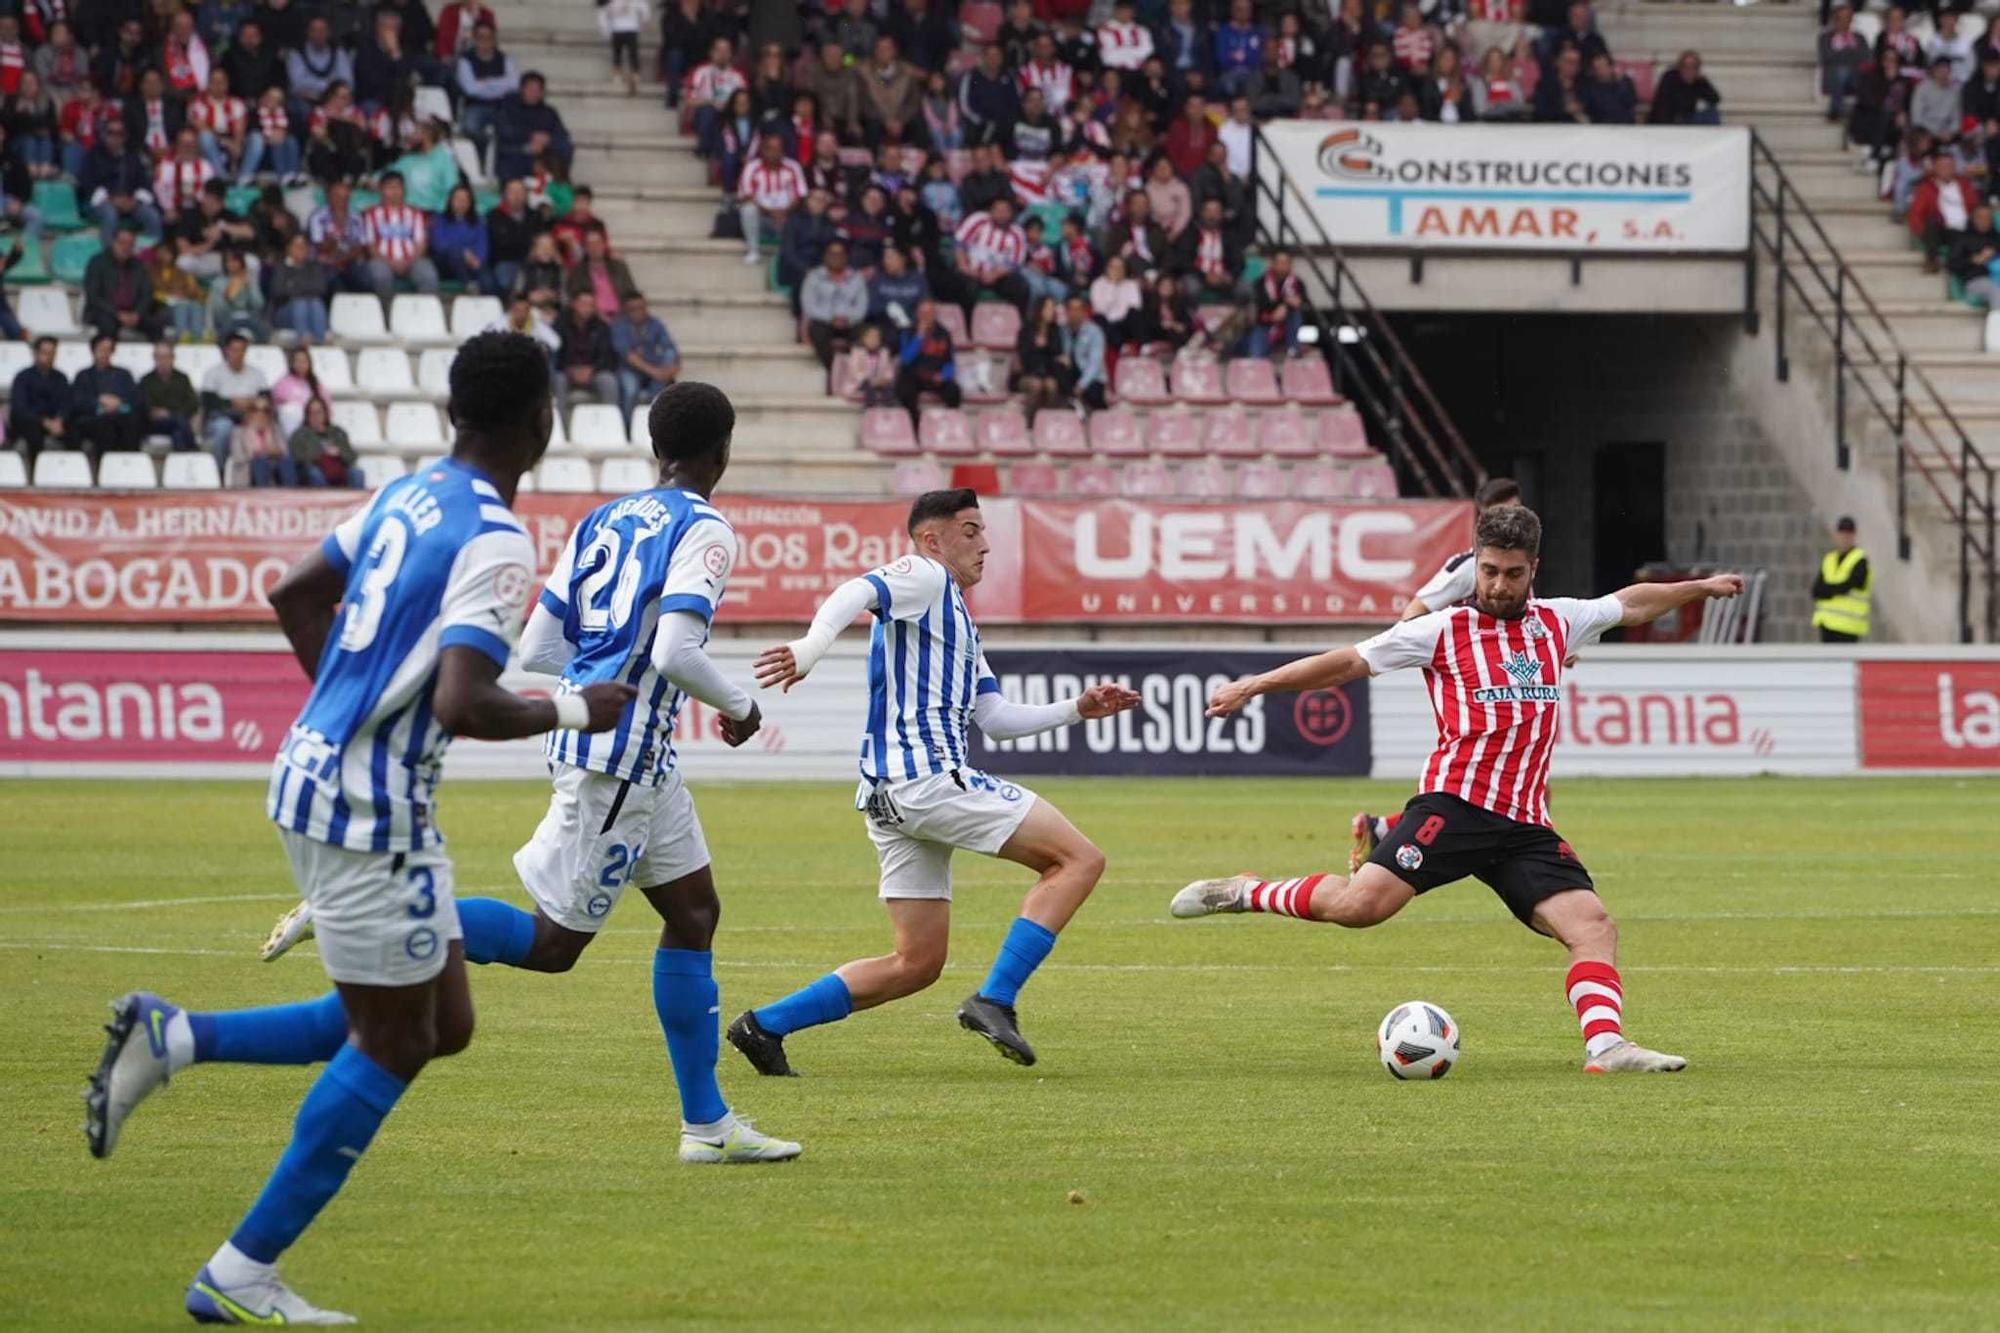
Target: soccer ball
{"type": "Point", "coordinates": [1417, 1040]}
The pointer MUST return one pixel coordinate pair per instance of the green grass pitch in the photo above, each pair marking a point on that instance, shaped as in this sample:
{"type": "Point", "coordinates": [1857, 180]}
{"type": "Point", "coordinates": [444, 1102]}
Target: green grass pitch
{"type": "Point", "coordinates": [1827, 954]}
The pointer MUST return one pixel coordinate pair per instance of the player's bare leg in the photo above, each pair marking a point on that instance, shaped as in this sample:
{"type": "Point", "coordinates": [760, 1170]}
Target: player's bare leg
{"type": "Point", "coordinates": [1577, 919]}
{"type": "Point", "coordinates": [1367, 898]}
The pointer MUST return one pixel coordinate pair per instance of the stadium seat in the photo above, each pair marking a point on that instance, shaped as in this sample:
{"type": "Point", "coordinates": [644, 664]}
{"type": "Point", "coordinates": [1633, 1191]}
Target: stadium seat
{"type": "Point", "coordinates": [952, 320]}
{"type": "Point", "coordinates": [914, 476]}
{"type": "Point", "coordinates": [1316, 481]}
{"type": "Point", "coordinates": [384, 373]}
{"type": "Point", "coordinates": [196, 359]}
{"type": "Point", "coordinates": [1140, 381]}
{"type": "Point", "coordinates": [1036, 480]}
{"type": "Point", "coordinates": [434, 373]}
{"type": "Point", "coordinates": [62, 470]}
{"type": "Point", "coordinates": [15, 357]}
{"type": "Point", "coordinates": [1115, 432]}
{"type": "Point", "coordinates": [598, 428]}
{"type": "Point", "coordinates": [980, 20]}
{"type": "Point", "coordinates": [1206, 479]}
{"type": "Point", "coordinates": [996, 325]}
{"type": "Point", "coordinates": [127, 472]}
{"type": "Point", "coordinates": [1283, 431]}
{"type": "Point", "coordinates": [640, 429]}
{"type": "Point", "coordinates": [1250, 379]}
{"type": "Point", "coordinates": [1342, 434]}
{"type": "Point", "coordinates": [1060, 434]}
{"type": "Point", "coordinates": [565, 476]}
{"type": "Point", "coordinates": [625, 474]}
{"type": "Point", "coordinates": [361, 422]}
{"type": "Point", "coordinates": [194, 471]}
{"type": "Point", "coordinates": [471, 314]}
{"type": "Point", "coordinates": [1261, 481]}
{"type": "Point", "coordinates": [46, 310]}
{"type": "Point", "coordinates": [72, 355]}
{"type": "Point", "coordinates": [417, 320]}
{"type": "Point", "coordinates": [135, 359]}
{"type": "Point", "coordinates": [525, 486]}
{"type": "Point", "coordinates": [886, 431]}
{"type": "Point", "coordinates": [842, 382]}
{"type": "Point", "coordinates": [1197, 379]}
{"type": "Point", "coordinates": [413, 426]}
{"type": "Point", "coordinates": [945, 431]}
{"type": "Point", "coordinates": [1090, 481]}
{"type": "Point", "coordinates": [31, 271]}
{"type": "Point", "coordinates": [336, 374]}
{"type": "Point", "coordinates": [267, 360]}
{"type": "Point", "coordinates": [356, 317]}
{"type": "Point", "coordinates": [13, 470]}
{"type": "Point", "coordinates": [1228, 432]}
{"type": "Point", "coordinates": [558, 437]}
{"type": "Point", "coordinates": [1003, 432]}
{"type": "Point", "coordinates": [56, 201]}
{"type": "Point", "coordinates": [378, 470]}
{"type": "Point", "coordinates": [1371, 481]}
{"type": "Point", "coordinates": [1641, 74]}
{"type": "Point", "coordinates": [70, 255]}
{"type": "Point", "coordinates": [1147, 480]}
{"type": "Point", "coordinates": [1307, 381]}
{"type": "Point", "coordinates": [1174, 433]}
{"type": "Point", "coordinates": [982, 376]}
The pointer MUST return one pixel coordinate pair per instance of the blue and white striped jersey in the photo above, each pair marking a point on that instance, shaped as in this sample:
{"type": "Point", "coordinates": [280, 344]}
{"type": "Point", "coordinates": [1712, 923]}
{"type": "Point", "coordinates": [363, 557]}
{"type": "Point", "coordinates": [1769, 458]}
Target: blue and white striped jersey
{"type": "Point", "coordinates": [628, 563]}
{"type": "Point", "coordinates": [435, 560]}
{"type": "Point", "coordinates": [925, 666]}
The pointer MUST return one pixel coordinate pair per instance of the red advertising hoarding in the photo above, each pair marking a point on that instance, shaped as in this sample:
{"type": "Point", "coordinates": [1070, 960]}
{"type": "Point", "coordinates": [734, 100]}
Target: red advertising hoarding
{"type": "Point", "coordinates": [1942, 714]}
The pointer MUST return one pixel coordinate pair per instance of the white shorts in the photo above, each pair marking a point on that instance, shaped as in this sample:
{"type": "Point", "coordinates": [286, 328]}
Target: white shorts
{"type": "Point", "coordinates": [602, 833]}
{"type": "Point", "coordinates": [915, 826]}
{"type": "Point", "coordinates": [382, 918]}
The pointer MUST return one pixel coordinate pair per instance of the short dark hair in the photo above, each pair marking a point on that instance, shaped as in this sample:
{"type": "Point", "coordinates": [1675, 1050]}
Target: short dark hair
{"type": "Point", "coordinates": [44, 340]}
{"type": "Point", "coordinates": [1496, 490]}
{"type": "Point", "coordinates": [102, 338]}
{"type": "Point", "coordinates": [237, 337]}
{"type": "Point", "coordinates": [1509, 528]}
{"type": "Point", "coordinates": [690, 421]}
{"type": "Point", "coordinates": [388, 176]}
{"type": "Point", "coordinates": [498, 381]}
{"type": "Point", "coordinates": [940, 504]}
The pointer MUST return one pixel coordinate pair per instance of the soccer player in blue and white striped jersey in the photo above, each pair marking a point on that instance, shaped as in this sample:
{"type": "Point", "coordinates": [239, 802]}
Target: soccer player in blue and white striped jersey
{"type": "Point", "coordinates": [928, 681]}
{"type": "Point", "coordinates": [403, 619]}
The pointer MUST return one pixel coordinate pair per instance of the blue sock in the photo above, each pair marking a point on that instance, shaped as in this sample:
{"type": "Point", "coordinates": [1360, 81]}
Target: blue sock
{"type": "Point", "coordinates": [283, 1034]}
{"type": "Point", "coordinates": [340, 1114]}
{"type": "Point", "coordinates": [495, 932]}
{"type": "Point", "coordinates": [825, 1001]}
{"type": "Point", "coordinates": [689, 1005]}
{"type": "Point", "coordinates": [1026, 945]}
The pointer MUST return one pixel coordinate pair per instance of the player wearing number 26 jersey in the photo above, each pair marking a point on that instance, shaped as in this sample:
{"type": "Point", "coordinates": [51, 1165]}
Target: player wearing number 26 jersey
{"type": "Point", "coordinates": [1494, 672]}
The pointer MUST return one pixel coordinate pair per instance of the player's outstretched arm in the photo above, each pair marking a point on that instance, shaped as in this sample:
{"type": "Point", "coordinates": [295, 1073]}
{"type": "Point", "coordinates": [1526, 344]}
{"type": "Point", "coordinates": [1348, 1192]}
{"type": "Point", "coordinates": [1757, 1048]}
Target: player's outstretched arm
{"type": "Point", "coordinates": [789, 663]}
{"type": "Point", "coordinates": [544, 647]}
{"type": "Point", "coordinates": [305, 601]}
{"type": "Point", "coordinates": [679, 654]}
{"type": "Point", "coordinates": [469, 701]}
{"type": "Point", "coordinates": [1004, 720]}
{"type": "Point", "coordinates": [1646, 602]}
{"type": "Point", "coordinates": [1323, 671]}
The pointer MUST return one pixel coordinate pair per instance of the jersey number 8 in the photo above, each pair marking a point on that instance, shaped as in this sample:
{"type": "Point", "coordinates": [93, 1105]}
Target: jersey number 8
{"type": "Point", "coordinates": [606, 557]}
{"type": "Point", "coordinates": [363, 618]}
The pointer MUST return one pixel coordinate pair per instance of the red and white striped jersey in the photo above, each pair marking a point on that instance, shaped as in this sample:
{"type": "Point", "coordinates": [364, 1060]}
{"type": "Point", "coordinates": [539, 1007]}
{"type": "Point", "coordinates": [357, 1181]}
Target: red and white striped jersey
{"type": "Point", "coordinates": [1496, 688]}
{"type": "Point", "coordinates": [177, 184]}
{"type": "Point", "coordinates": [712, 86]}
{"type": "Point", "coordinates": [223, 117]}
{"type": "Point", "coordinates": [988, 245]}
{"type": "Point", "coordinates": [1414, 47]}
{"type": "Point", "coordinates": [396, 232]}
{"type": "Point", "coordinates": [774, 187]}
{"type": "Point", "coordinates": [1124, 45]}
{"type": "Point", "coordinates": [1055, 79]}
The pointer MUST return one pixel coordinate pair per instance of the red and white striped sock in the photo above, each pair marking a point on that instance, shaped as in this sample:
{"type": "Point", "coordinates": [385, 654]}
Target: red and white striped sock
{"type": "Point", "coordinates": [1599, 999]}
{"type": "Point", "coordinates": [1285, 897]}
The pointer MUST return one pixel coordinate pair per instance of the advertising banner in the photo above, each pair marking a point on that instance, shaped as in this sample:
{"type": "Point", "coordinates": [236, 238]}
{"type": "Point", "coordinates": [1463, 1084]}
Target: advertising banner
{"type": "Point", "coordinates": [1518, 187]}
{"type": "Point", "coordinates": [1324, 732]}
{"type": "Point", "coordinates": [1942, 714]}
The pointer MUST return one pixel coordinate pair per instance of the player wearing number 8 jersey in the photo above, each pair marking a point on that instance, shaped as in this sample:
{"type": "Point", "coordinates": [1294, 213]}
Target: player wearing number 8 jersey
{"type": "Point", "coordinates": [403, 618]}
{"type": "Point", "coordinates": [1493, 668]}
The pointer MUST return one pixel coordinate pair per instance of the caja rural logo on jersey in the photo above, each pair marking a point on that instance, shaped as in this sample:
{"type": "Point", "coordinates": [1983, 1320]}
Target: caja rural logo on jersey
{"type": "Point", "coordinates": [1525, 669]}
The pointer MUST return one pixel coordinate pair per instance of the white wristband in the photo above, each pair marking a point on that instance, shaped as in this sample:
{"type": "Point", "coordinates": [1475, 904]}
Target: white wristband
{"type": "Point", "coordinates": [572, 713]}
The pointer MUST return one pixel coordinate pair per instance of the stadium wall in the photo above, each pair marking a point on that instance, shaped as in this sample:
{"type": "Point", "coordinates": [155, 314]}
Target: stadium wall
{"type": "Point", "coordinates": [83, 703]}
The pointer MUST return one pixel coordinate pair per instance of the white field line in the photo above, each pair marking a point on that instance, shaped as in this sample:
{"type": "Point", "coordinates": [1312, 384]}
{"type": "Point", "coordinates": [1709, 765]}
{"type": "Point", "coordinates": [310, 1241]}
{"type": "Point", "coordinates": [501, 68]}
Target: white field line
{"type": "Point", "coordinates": [142, 904]}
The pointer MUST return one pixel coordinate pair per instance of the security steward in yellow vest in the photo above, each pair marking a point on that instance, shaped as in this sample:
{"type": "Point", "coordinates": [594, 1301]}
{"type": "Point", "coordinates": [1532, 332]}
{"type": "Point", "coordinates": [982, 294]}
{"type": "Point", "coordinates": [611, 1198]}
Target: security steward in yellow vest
{"type": "Point", "coordinates": [1840, 593]}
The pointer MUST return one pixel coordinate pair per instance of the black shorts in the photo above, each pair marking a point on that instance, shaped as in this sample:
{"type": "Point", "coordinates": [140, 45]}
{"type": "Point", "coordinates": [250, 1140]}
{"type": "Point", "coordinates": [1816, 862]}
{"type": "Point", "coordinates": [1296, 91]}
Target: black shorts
{"type": "Point", "coordinates": [1441, 838]}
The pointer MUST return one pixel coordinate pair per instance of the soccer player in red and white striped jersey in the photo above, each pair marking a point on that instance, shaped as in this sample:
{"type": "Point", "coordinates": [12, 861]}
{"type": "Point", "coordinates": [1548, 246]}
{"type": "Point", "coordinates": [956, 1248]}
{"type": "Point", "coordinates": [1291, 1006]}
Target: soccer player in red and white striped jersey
{"type": "Point", "coordinates": [1493, 667]}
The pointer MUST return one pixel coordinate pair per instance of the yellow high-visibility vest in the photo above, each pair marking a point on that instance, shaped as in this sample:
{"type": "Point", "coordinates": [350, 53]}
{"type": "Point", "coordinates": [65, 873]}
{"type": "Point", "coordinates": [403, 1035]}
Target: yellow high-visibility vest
{"type": "Point", "coordinates": [1845, 613]}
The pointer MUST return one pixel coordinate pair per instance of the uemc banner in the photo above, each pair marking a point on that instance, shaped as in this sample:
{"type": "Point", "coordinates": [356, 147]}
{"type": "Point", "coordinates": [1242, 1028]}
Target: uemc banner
{"type": "Point", "coordinates": [1320, 732]}
{"type": "Point", "coordinates": [1526, 187]}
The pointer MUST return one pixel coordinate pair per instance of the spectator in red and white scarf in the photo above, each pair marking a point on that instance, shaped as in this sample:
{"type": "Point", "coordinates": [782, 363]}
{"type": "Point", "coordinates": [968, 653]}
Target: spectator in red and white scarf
{"type": "Point", "coordinates": [185, 55]}
{"type": "Point", "coordinates": [398, 243]}
{"type": "Point", "coordinates": [152, 118]}
{"type": "Point", "coordinates": [222, 120]}
{"type": "Point", "coordinates": [270, 140]}
{"type": "Point", "coordinates": [63, 65]}
{"type": "Point", "coordinates": [1281, 302]}
{"type": "Point", "coordinates": [1496, 94]}
{"type": "Point", "coordinates": [1209, 258]}
{"type": "Point", "coordinates": [13, 55]}
{"type": "Point", "coordinates": [1413, 41]}
{"type": "Point", "coordinates": [80, 126]}
{"type": "Point", "coordinates": [177, 181]}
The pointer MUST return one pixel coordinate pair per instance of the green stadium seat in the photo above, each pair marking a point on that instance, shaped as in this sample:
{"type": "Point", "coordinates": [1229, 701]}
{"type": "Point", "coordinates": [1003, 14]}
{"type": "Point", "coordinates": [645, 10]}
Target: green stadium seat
{"type": "Point", "coordinates": [57, 202]}
{"type": "Point", "coordinates": [33, 270]}
{"type": "Point", "coordinates": [1253, 267]}
{"type": "Point", "coordinates": [241, 198]}
{"type": "Point", "coordinates": [1052, 216]}
{"type": "Point", "coordinates": [771, 278]}
{"type": "Point", "coordinates": [362, 200]}
{"type": "Point", "coordinates": [70, 254]}
{"type": "Point", "coordinates": [486, 201]}
{"type": "Point", "coordinates": [1955, 288]}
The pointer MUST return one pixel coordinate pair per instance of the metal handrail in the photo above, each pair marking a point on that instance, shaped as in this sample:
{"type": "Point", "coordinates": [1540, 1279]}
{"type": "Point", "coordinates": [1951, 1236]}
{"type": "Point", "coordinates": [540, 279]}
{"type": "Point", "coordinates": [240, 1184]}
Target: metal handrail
{"type": "Point", "coordinates": [1368, 360]}
{"type": "Point", "coordinates": [1868, 354]}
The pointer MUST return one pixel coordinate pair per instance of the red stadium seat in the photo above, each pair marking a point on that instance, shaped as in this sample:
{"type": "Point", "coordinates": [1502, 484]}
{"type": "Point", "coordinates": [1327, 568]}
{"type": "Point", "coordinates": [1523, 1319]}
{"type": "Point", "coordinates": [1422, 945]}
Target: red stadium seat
{"type": "Point", "coordinates": [1090, 480]}
{"type": "Point", "coordinates": [996, 324]}
{"type": "Point", "coordinates": [980, 20]}
{"type": "Point", "coordinates": [1036, 480]}
{"type": "Point", "coordinates": [946, 432]}
{"type": "Point", "coordinates": [1316, 481]}
{"type": "Point", "coordinates": [952, 319]}
{"type": "Point", "coordinates": [1141, 481]}
{"type": "Point", "coordinates": [1059, 434]}
{"type": "Point", "coordinates": [982, 376]}
{"type": "Point", "coordinates": [1641, 74]}
{"type": "Point", "coordinates": [886, 431]}
{"type": "Point", "coordinates": [1261, 481]}
{"type": "Point", "coordinates": [1250, 379]}
{"type": "Point", "coordinates": [1342, 434]}
{"type": "Point", "coordinates": [1139, 380]}
{"type": "Point", "coordinates": [914, 476]}
{"type": "Point", "coordinates": [1197, 379]}
{"type": "Point", "coordinates": [1115, 432]}
{"type": "Point", "coordinates": [1283, 431]}
{"type": "Point", "coordinates": [1003, 432]}
{"type": "Point", "coordinates": [1308, 381]}
{"type": "Point", "coordinates": [1371, 481]}
{"type": "Point", "coordinates": [844, 384]}
{"type": "Point", "coordinates": [1174, 433]}
{"type": "Point", "coordinates": [1205, 480]}
{"type": "Point", "coordinates": [1228, 432]}
{"type": "Point", "coordinates": [1527, 73]}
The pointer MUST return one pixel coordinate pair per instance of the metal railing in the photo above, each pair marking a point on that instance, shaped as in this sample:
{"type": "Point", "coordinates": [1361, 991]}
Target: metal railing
{"type": "Point", "coordinates": [1367, 359]}
{"type": "Point", "coordinates": [1872, 374]}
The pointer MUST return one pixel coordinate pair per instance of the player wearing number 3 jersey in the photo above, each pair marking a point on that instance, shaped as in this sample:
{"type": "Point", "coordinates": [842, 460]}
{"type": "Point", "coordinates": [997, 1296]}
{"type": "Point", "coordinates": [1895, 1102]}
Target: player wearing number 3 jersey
{"type": "Point", "coordinates": [1494, 671]}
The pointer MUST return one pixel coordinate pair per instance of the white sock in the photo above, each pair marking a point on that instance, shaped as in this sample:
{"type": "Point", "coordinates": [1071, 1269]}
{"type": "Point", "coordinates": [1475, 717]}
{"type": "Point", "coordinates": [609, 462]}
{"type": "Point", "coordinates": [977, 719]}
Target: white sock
{"type": "Point", "coordinates": [1601, 1043]}
{"type": "Point", "coordinates": [714, 1129]}
{"type": "Point", "coordinates": [180, 1043]}
{"type": "Point", "coordinates": [232, 1268]}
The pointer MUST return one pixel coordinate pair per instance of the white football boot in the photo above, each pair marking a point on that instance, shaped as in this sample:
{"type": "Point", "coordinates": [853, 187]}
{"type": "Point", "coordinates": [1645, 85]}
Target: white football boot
{"type": "Point", "coordinates": [1206, 897]}
{"type": "Point", "coordinates": [266, 1300]}
{"type": "Point", "coordinates": [740, 1142]}
{"type": "Point", "coordinates": [294, 927]}
{"type": "Point", "coordinates": [1629, 1058]}
{"type": "Point", "coordinates": [136, 1062]}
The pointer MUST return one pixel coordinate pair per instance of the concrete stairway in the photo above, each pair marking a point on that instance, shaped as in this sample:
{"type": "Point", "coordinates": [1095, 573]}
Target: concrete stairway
{"type": "Point", "coordinates": [654, 196]}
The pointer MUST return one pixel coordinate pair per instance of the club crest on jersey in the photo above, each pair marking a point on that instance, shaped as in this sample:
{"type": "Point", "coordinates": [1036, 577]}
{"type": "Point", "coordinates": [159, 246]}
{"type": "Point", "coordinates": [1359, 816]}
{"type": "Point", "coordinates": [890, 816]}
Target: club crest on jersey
{"type": "Point", "coordinates": [1410, 856]}
{"type": "Point", "coordinates": [1535, 630]}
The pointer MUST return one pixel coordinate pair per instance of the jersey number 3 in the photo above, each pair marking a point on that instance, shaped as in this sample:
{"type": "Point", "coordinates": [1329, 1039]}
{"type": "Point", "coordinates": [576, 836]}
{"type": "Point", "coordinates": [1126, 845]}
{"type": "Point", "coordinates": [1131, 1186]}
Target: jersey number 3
{"type": "Point", "coordinates": [363, 617]}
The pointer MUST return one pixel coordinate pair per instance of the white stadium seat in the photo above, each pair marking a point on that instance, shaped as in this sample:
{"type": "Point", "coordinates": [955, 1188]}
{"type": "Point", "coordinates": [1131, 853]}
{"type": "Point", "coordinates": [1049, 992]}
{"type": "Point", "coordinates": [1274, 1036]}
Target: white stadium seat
{"type": "Point", "coordinates": [13, 470]}
{"type": "Point", "coordinates": [597, 428]}
{"type": "Point", "coordinates": [413, 426]}
{"type": "Point", "coordinates": [356, 317]}
{"type": "Point", "coordinates": [127, 472]}
{"type": "Point", "coordinates": [526, 485]}
{"type": "Point", "coordinates": [196, 359]}
{"type": "Point", "coordinates": [61, 470]}
{"type": "Point", "coordinates": [558, 437]}
{"type": "Point", "coordinates": [46, 310]}
{"type": "Point", "coordinates": [334, 371]}
{"type": "Point", "coordinates": [471, 314]}
{"type": "Point", "coordinates": [136, 359]}
{"type": "Point", "coordinates": [72, 356]}
{"type": "Point", "coordinates": [434, 373]}
{"type": "Point", "coordinates": [620, 475]}
{"type": "Point", "coordinates": [14, 358]}
{"type": "Point", "coordinates": [381, 469]}
{"type": "Point", "coordinates": [565, 476]}
{"type": "Point", "coordinates": [361, 421]}
{"type": "Point", "coordinates": [384, 372]}
{"type": "Point", "coordinates": [417, 320]}
{"type": "Point", "coordinates": [191, 472]}
{"type": "Point", "coordinates": [641, 433]}
{"type": "Point", "coordinates": [267, 359]}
